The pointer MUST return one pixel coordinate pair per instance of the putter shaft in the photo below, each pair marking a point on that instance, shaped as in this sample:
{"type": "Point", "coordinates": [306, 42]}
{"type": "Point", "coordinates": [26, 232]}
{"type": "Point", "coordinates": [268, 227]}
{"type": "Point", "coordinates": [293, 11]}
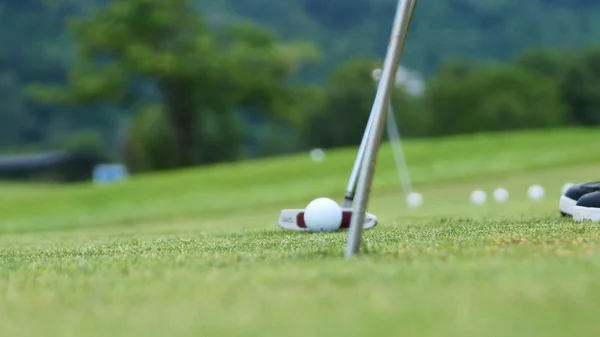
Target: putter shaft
{"type": "Point", "coordinates": [402, 19]}
{"type": "Point", "coordinates": [352, 182]}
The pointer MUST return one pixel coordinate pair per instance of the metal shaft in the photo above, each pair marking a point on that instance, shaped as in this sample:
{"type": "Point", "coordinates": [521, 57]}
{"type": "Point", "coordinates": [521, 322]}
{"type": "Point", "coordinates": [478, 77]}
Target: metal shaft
{"type": "Point", "coordinates": [352, 182]}
{"type": "Point", "coordinates": [398, 152]}
{"type": "Point", "coordinates": [402, 19]}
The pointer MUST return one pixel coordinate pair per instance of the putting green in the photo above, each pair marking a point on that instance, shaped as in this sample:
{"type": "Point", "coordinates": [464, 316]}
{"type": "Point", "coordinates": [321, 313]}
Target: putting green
{"type": "Point", "coordinates": [198, 252]}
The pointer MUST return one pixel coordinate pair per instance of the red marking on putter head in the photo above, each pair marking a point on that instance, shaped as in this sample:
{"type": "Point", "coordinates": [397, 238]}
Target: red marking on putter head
{"type": "Point", "coordinates": [300, 220]}
{"type": "Point", "coordinates": [346, 218]}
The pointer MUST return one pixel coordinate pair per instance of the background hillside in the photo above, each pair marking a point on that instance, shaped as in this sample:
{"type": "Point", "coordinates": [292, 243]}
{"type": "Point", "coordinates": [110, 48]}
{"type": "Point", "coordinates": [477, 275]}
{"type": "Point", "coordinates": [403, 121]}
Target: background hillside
{"type": "Point", "coordinates": [332, 89]}
{"type": "Point", "coordinates": [461, 29]}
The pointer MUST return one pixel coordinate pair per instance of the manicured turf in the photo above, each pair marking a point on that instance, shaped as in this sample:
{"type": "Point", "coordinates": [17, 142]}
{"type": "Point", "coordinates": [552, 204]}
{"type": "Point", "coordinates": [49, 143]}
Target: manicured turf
{"type": "Point", "coordinates": [198, 253]}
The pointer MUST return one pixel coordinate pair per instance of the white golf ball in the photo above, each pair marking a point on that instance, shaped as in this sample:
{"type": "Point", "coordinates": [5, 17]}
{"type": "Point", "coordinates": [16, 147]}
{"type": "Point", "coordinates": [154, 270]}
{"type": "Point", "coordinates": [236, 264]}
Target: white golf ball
{"type": "Point", "coordinates": [323, 215]}
{"type": "Point", "coordinates": [376, 74]}
{"type": "Point", "coordinates": [535, 192]}
{"type": "Point", "coordinates": [414, 199]}
{"type": "Point", "coordinates": [566, 187]}
{"type": "Point", "coordinates": [501, 194]}
{"type": "Point", "coordinates": [317, 155]}
{"type": "Point", "coordinates": [478, 197]}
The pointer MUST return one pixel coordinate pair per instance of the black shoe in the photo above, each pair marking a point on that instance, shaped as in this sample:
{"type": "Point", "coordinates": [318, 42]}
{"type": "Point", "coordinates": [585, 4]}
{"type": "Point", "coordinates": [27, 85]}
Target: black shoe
{"type": "Point", "coordinates": [569, 199]}
{"type": "Point", "coordinates": [588, 207]}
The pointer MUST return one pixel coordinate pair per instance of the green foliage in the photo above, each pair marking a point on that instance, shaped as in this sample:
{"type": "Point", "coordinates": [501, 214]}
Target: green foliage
{"type": "Point", "coordinates": [492, 98]}
{"type": "Point", "coordinates": [345, 110]}
{"type": "Point", "coordinates": [88, 142]}
{"type": "Point", "coordinates": [452, 29]}
{"type": "Point", "coordinates": [581, 88]}
{"type": "Point", "coordinates": [200, 75]}
{"type": "Point", "coordinates": [220, 136]}
{"type": "Point", "coordinates": [550, 64]}
{"type": "Point", "coordinates": [578, 76]}
{"type": "Point", "coordinates": [341, 118]}
{"type": "Point", "coordinates": [149, 143]}
{"type": "Point", "coordinates": [461, 98]}
{"type": "Point", "coordinates": [259, 66]}
{"type": "Point", "coordinates": [229, 89]}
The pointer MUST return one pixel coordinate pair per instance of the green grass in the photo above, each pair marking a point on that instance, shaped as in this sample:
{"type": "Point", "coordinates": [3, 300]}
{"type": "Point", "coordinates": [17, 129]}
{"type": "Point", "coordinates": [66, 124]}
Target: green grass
{"type": "Point", "coordinates": [198, 253]}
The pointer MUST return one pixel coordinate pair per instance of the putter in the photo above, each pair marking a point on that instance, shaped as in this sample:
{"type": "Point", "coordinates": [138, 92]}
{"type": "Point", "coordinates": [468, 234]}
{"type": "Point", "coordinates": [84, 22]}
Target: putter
{"type": "Point", "coordinates": [402, 19]}
{"type": "Point", "coordinates": [355, 217]}
{"type": "Point", "coordinates": [293, 219]}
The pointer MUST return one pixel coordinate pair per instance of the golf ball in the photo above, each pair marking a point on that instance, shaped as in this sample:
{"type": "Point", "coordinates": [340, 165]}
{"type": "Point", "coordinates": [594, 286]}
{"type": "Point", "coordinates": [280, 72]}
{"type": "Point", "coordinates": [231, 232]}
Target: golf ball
{"type": "Point", "coordinates": [414, 199]}
{"type": "Point", "coordinates": [323, 215]}
{"type": "Point", "coordinates": [478, 197]}
{"type": "Point", "coordinates": [317, 155]}
{"type": "Point", "coordinates": [501, 194]}
{"type": "Point", "coordinates": [535, 192]}
{"type": "Point", "coordinates": [376, 74]}
{"type": "Point", "coordinates": [566, 187]}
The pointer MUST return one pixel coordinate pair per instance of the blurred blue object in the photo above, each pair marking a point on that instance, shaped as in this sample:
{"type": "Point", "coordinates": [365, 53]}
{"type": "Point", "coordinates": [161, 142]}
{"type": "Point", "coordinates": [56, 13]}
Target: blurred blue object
{"type": "Point", "coordinates": [109, 173]}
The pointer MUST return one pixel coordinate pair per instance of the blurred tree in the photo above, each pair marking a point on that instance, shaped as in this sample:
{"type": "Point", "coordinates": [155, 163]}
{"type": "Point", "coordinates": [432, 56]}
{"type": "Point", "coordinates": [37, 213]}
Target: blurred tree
{"type": "Point", "coordinates": [86, 142]}
{"type": "Point", "coordinates": [30, 49]}
{"type": "Point", "coordinates": [492, 98]}
{"type": "Point", "coordinates": [36, 48]}
{"type": "Point", "coordinates": [149, 144]}
{"type": "Point", "coordinates": [581, 88]}
{"type": "Point", "coordinates": [457, 69]}
{"type": "Point", "coordinates": [452, 29]}
{"type": "Point", "coordinates": [548, 63]}
{"type": "Point", "coordinates": [578, 76]}
{"type": "Point", "coordinates": [344, 111]}
{"type": "Point", "coordinates": [197, 75]}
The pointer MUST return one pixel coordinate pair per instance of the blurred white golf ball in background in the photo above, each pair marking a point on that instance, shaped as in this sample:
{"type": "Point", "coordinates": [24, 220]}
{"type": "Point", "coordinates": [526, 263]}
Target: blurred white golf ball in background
{"type": "Point", "coordinates": [566, 187]}
{"type": "Point", "coordinates": [478, 197]}
{"type": "Point", "coordinates": [376, 74]}
{"type": "Point", "coordinates": [414, 199]}
{"type": "Point", "coordinates": [535, 192]}
{"type": "Point", "coordinates": [501, 194]}
{"type": "Point", "coordinates": [317, 155]}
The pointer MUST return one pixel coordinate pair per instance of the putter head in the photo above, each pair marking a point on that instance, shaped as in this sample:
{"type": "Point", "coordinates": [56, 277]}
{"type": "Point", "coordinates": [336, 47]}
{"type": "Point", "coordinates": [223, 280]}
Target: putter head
{"type": "Point", "coordinates": [293, 219]}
